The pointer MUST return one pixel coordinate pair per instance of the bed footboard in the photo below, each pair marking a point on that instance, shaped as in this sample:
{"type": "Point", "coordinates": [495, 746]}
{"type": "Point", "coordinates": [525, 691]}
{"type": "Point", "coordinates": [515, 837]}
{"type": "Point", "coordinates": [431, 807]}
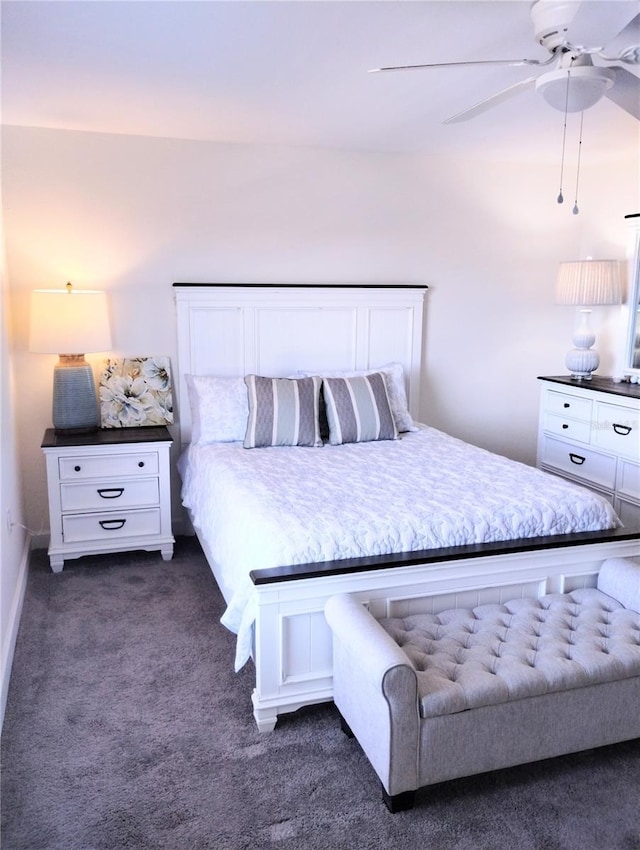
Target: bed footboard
{"type": "Point", "coordinates": [293, 644]}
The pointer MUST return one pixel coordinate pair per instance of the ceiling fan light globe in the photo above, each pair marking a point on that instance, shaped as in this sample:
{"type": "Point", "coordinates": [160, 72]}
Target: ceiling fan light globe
{"type": "Point", "coordinates": [586, 86]}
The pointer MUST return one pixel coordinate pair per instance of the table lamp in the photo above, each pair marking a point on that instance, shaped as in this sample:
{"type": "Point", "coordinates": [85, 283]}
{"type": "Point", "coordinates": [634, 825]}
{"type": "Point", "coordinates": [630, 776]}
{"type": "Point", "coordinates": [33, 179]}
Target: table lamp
{"type": "Point", "coordinates": [585, 284]}
{"type": "Point", "coordinates": [76, 321]}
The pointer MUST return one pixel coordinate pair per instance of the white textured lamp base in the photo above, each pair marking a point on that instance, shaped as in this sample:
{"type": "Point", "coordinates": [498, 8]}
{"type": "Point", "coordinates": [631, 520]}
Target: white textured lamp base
{"type": "Point", "coordinates": [75, 404]}
{"type": "Point", "coordinates": [581, 362]}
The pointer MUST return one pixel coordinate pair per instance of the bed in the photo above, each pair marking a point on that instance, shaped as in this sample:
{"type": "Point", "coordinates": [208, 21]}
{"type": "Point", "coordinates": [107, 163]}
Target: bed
{"type": "Point", "coordinates": [280, 525]}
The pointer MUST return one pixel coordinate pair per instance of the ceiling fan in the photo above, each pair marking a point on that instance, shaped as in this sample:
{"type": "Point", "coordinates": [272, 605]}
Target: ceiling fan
{"type": "Point", "coordinates": [582, 71]}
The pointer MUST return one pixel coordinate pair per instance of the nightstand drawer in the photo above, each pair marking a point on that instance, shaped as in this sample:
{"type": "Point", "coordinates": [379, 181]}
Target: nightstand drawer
{"type": "Point", "coordinates": [617, 429]}
{"type": "Point", "coordinates": [114, 525]}
{"type": "Point", "coordinates": [110, 495]}
{"type": "Point", "coordinates": [568, 405]}
{"type": "Point", "coordinates": [581, 462]}
{"type": "Point", "coordinates": [102, 465]}
{"type": "Point", "coordinates": [572, 429]}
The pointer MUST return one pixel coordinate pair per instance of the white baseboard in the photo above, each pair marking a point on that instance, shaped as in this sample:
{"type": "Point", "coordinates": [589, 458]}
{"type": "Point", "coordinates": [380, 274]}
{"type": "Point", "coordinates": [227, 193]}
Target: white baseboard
{"type": "Point", "coordinates": [13, 625]}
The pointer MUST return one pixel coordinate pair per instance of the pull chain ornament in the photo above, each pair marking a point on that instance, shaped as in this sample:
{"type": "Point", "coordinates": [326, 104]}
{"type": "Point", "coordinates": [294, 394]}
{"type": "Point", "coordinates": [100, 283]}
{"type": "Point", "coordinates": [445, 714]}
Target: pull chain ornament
{"type": "Point", "coordinates": [564, 137]}
{"type": "Point", "coordinates": [575, 205]}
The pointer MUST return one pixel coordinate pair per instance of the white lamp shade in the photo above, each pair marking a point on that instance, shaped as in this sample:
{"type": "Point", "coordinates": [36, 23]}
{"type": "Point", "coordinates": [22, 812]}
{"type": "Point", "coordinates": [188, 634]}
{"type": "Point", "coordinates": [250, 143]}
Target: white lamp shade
{"type": "Point", "coordinates": [65, 322]}
{"type": "Point", "coordinates": [587, 283]}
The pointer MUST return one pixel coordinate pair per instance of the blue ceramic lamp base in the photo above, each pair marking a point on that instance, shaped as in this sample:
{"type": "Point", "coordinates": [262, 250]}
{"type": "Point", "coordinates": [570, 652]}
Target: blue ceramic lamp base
{"type": "Point", "coordinates": [75, 404]}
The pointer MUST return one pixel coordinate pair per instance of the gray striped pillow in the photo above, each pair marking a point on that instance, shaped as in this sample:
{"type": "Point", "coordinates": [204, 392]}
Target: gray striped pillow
{"type": "Point", "coordinates": [282, 412]}
{"type": "Point", "coordinates": [358, 409]}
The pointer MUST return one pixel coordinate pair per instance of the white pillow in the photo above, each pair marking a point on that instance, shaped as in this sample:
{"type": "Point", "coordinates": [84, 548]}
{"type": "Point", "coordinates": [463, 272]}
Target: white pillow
{"type": "Point", "coordinates": [394, 379]}
{"type": "Point", "coordinates": [219, 408]}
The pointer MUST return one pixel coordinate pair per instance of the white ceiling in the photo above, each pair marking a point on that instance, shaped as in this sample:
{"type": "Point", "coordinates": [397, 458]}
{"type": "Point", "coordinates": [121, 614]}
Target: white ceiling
{"type": "Point", "coordinates": [294, 72]}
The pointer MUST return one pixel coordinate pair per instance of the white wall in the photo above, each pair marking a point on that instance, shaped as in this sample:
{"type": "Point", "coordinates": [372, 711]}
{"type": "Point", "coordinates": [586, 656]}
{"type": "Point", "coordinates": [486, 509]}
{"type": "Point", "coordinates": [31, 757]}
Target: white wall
{"type": "Point", "coordinates": [132, 215]}
{"type": "Point", "coordinates": [14, 549]}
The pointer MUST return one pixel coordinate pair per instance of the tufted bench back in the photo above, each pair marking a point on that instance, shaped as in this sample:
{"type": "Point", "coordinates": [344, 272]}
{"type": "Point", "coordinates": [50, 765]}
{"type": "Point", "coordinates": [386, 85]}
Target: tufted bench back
{"type": "Point", "coordinates": [465, 658]}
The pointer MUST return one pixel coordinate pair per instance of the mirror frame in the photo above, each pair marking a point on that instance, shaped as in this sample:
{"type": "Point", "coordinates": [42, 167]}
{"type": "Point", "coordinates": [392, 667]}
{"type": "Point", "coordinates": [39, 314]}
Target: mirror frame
{"type": "Point", "coordinates": [633, 302]}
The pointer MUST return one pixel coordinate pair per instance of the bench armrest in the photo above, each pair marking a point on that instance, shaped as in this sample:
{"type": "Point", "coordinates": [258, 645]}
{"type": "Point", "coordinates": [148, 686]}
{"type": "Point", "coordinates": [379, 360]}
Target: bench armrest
{"type": "Point", "coordinates": [375, 690]}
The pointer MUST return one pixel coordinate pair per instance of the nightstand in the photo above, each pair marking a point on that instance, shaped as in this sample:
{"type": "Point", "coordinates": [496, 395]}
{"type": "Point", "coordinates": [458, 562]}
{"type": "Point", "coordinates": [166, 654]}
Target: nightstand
{"type": "Point", "coordinates": [109, 491]}
{"type": "Point", "coordinates": [589, 432]}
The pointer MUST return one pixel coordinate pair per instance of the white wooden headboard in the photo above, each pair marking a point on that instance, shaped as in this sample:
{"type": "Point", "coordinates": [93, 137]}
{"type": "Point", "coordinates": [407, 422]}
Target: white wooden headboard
{"type": "Point", "coordinates": [235, 330]}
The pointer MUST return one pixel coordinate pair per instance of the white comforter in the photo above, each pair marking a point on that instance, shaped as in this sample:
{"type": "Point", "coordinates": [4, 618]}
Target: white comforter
{"type": "Point", "coordinates": [273, 507]}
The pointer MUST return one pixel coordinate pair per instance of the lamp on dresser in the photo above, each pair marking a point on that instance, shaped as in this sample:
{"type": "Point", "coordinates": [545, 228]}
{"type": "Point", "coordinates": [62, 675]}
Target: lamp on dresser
{"type": "Point", "coordinates": [585, 284]}
{"type": "Point", "coordinates": [74, 322]}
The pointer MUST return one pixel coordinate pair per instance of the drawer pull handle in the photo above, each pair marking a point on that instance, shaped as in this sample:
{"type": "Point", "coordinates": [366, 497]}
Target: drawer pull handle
{"type": "Point", "coordinates": [77, 468]}
{"type": "Point", "coordinates": [577, 459]}
{"type": "Point", "coordinates": [564, 425]}
{"type": "Point", "coordinates": [566, 404]}
{"type": "Point", "coordinates": [112, 524]}
{"type": "Point", "coordinates": [141, 463]}
{"type": "Point", "coordinates": [622, 430]}
{"type": "Point", "coordinates": [112, 493]}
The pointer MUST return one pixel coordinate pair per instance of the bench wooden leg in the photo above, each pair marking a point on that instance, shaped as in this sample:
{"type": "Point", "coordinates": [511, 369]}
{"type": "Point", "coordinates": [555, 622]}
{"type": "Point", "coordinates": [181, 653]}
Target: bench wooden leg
{"type": "Point", "coordinates": [399, 802]}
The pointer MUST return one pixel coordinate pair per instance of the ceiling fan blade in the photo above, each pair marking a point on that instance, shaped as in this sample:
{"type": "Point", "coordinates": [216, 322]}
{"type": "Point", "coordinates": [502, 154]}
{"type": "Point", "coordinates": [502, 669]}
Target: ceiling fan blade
{"type": "Point", "coordinates": [626, 46]}
{"type": "Point", "coordinates": [631, 33]}
{"type": "Point", "coordinates": [625, 92]}
{"type": "Point", "coordinates": [513, 62]}
{"type": "Point", "coordinates": [492, 101]}
{"type": "Point", "coordinates": [597, 24]}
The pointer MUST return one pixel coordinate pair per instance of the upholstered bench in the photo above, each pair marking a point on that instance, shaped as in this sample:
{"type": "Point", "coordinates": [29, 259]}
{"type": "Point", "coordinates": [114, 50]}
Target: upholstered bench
{"type": "Point", "coordinates": [432, 697]}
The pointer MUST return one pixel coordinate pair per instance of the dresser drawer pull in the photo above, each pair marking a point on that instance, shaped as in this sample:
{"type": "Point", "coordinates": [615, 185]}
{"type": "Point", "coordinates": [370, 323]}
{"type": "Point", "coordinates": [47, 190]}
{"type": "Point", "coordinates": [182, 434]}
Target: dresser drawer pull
{"type": "Point", "coordinates": [112, 524]}
{"type": "Point", "coordinates": [111, 493]}
{"type": "Point", "coordinates": [77, 468]}
{"type": "Point", "coordinates": [577, 459]}
{"type": "Point", "coordinates": [141, 463]}
{"type": "Point", "coordinates": [566, 404]}
{"type": "Point", "coordinates": [564, 426]}
{"type": "Point", "coordinates": [622, 430]}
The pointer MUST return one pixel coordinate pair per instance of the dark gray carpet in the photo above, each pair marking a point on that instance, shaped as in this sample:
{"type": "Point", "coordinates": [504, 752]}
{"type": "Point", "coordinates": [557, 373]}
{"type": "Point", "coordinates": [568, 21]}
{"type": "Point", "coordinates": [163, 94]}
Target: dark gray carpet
{"type": "Point", "coordinates": [126, 727]}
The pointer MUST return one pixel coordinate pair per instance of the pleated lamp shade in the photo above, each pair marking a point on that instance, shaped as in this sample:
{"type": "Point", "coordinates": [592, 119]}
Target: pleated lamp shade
{"type": "Point", "coordinates": [71, 323]}
{"type": "Point", "coordinates": [585, 284]}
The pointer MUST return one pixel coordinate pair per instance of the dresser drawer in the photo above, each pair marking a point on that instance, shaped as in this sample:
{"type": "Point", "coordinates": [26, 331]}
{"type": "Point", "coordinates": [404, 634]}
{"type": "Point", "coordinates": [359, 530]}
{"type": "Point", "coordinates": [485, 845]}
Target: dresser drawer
{"type": "Point", "coordinates": [568, 405]}
{"type": "Point", "coordinates": [114, 525]}
{"type": "Point", "coordinates": [110, 496]}
{"type": "Point", "coordinates": [628, 482]}
{"type": "Point", "coordinates": [102, 465]}
{"type": "Point", "coordinates": [617, 429]}
{"type": "Point", "coordinates": [579, 461]}
{"type": "Point", "coordinates": [572, 429]}
{"type": "Point", "coordinates": [628, 512]}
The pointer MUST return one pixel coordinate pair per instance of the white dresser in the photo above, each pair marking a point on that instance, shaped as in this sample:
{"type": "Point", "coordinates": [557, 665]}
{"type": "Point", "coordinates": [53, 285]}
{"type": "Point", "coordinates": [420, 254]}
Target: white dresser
{"type": "Point", "coordinates": [589, 432]}
{"type": "Point", "coordinates": [109, 491]}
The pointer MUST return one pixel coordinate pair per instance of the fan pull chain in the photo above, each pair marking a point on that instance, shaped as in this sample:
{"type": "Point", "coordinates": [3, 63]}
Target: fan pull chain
{"type": "Point", "coordinates": [564, 137]}
{"type": "Point", "coordinates": [575, 205]}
